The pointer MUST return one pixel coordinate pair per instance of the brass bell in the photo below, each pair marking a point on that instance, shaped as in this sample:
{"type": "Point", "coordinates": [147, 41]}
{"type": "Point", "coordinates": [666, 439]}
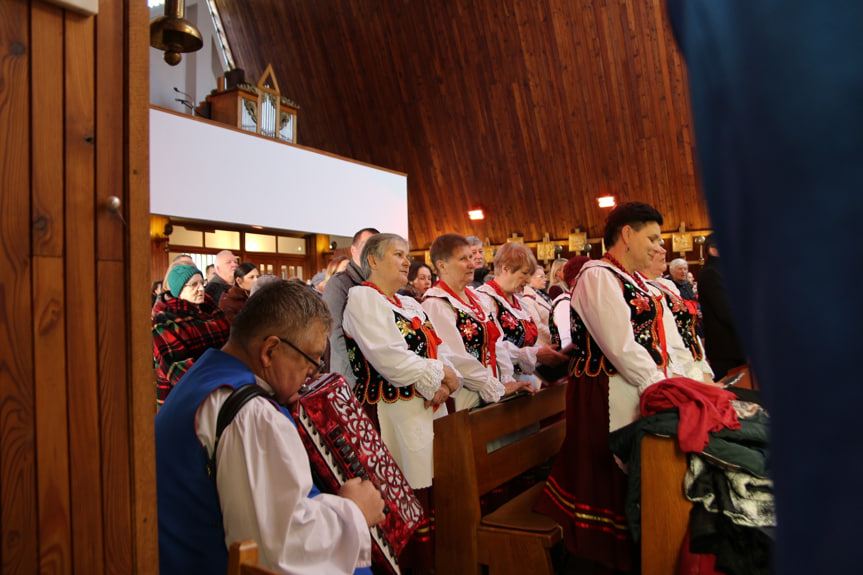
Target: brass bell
{"type": "Point", "coordinates": [173, 33]}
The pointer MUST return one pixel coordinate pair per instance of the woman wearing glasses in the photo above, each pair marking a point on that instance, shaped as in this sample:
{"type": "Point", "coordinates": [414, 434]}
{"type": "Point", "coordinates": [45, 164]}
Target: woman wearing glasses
{"type": "Point", "coordinates": [184, 328]}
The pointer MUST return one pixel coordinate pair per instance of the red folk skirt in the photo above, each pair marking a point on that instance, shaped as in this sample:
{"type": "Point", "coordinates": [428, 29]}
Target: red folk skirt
{"type": "Point", "coordinates": [586, 490]}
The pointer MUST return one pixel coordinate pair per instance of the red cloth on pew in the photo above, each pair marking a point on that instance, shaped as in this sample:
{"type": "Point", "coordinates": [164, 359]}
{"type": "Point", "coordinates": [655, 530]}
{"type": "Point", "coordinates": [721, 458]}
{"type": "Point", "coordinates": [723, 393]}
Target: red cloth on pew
{"type": "Point", "coordinates": [703, 408]}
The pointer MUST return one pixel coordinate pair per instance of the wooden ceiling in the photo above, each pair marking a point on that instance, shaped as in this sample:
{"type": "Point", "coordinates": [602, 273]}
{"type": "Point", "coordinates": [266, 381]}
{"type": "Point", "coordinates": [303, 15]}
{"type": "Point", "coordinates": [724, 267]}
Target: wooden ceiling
{"type": "Point", "coordinates": [530, 109]}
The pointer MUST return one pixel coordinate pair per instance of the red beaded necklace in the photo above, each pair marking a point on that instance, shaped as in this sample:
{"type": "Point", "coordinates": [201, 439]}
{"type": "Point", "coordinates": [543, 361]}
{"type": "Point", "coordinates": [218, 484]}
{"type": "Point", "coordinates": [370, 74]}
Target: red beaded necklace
{"type": "Point", "coordinates": [638, 281]}
{"type": "Point", "coordinates": [496, 287]}
{"type": "Point", "coordinates": [397, 302]}
{"type": "Point", "coordinates": [473, 303]}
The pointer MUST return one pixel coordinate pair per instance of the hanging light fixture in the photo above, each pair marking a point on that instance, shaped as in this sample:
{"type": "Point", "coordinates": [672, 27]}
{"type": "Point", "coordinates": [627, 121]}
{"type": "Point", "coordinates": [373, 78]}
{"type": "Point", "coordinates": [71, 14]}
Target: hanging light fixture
{"type": "Point", "coordinates": [173, 34]}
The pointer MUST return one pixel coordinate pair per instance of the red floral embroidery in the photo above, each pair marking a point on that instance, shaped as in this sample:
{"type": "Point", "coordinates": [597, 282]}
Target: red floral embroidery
{"type": "Point", "coordinates": [468, 330]}
{"type": "Point", "coordinates": [640, 303]}
{"type": "Point", "coordinates": [509, 321]}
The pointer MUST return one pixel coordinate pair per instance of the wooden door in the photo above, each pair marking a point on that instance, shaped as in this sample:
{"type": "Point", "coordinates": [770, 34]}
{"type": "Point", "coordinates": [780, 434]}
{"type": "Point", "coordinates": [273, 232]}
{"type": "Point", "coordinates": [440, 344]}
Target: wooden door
{"type": "Point", "coordinates": [76, 395]}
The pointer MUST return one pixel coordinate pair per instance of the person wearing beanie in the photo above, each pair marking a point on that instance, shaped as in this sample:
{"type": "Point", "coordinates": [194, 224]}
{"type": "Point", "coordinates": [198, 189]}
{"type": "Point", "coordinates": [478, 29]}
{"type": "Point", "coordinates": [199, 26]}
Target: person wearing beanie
{"type": "Point", "coordinates": [185, 327]}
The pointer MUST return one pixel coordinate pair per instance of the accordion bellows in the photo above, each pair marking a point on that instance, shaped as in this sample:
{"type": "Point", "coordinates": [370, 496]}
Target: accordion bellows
{"type": "Point", "coordinates": [342, 443]}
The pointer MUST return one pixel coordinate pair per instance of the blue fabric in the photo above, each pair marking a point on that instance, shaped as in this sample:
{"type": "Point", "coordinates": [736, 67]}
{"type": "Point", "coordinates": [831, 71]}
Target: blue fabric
{"type": "Point", "coordinates": [777, 99]}
{"type": "Point", "coordinates": [191, 537]}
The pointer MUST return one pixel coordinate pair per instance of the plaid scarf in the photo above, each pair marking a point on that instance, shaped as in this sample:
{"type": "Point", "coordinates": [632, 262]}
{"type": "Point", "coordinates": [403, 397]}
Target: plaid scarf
{"type": "Point", "coordinates": [182, 332]}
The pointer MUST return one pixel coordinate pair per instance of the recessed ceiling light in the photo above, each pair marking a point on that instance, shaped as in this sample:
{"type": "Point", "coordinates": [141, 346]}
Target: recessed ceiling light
{"type": "Point", "coordinates": [475, 214]}
{"type": "Point", "coordinates": [605, 201]}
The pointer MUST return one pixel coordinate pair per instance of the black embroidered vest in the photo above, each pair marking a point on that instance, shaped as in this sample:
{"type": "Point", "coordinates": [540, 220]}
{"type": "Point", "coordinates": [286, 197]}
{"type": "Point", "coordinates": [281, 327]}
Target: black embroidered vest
{"type": "Point", "coordinates": [371, 386]}
{"type": "Point", "coordinates": [589, 358]}
{"type": "Point", "coordinates": [685, 321]}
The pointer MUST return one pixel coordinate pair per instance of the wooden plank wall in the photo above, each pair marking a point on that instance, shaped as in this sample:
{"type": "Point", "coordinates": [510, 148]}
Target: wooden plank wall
{"type": "Point", "coordinates": [77, 479]}
{"type": "Point", "coordinates": [530, 109]}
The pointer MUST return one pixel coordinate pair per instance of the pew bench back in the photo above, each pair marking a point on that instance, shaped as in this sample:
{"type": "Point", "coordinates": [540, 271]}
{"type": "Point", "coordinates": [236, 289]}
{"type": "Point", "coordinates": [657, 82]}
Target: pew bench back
{"type": "Point", "coordinates": [531, 429]}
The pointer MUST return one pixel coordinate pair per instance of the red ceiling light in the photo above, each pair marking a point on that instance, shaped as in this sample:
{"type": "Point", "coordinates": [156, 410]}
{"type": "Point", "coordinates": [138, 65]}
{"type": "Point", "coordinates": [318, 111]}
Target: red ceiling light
{"type": "Point", "coordinates": [476, 214]}
{"type": "Point", "coordinates": [605, 201]}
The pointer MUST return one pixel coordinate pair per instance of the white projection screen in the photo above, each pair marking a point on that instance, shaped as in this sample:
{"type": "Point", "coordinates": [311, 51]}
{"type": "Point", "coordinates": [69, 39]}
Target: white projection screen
{"type": "Point", "coordinates": [201, 171]}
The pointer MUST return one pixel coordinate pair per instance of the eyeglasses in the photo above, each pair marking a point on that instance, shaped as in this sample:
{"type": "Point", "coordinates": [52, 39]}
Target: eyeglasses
{"type": "Point", "coordinates": [319, 365]}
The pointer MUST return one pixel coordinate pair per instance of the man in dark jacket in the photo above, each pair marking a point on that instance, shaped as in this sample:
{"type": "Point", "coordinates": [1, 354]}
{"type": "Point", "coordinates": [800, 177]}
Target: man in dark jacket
{"type": "Point", "coordinates": [336, 296]}
{"type": "Point", "coordinates": [226, 263]}
{"type": "Point", "coordinates": [720, 334]}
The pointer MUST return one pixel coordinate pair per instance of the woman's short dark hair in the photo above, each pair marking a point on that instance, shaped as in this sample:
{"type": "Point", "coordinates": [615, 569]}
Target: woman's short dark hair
{"type": "Point", "coordinates": [634, 214]}
{"type": "Point", "coordinates": [415, 269]}
{"type": "Point", "coordinates": [243, 269]}
{"type": "Point", "coordinates": [444, 246]}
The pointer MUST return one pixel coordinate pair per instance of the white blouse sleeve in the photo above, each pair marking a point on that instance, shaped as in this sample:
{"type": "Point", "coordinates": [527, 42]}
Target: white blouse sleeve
{"type": "Point", "coordinates": [598, 299]}
{"type": "Point", "coordinates": [539, 315]}
{"type": "Point", "coordinates": [561, 321]}
{"type": "Point", "coordinates": [370, 322]}
{"type": "Point", "coordinates": [264, 480]}
{"type": "Point", "coordinates": [475, 375]}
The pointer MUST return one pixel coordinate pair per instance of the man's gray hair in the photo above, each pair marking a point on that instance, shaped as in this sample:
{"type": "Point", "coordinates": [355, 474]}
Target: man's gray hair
{"type": "Point", "coordinates": [473, 240]}
{"type": "Point", "coordinates": [262, 281]}
{"type": "Point", "coordinates": [281, 308]}
{"type": "Point", "coordinates": [377, 245]}
{"type": "Point", "coordinates": [676, 263]}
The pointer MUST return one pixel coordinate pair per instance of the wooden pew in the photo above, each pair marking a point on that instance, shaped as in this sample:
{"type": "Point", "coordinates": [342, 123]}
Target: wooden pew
{"type": "Point", "coordinates": [243, 559]}
{"type": "Point", "coordinates": [664, 508]}
{"type": "Point", "coordinates": [512, 539]}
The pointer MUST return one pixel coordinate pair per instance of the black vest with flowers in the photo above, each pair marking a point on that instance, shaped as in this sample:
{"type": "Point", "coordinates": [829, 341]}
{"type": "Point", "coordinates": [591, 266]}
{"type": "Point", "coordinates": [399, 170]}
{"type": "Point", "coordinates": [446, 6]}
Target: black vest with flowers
{"type": "Point", "coordinates": [371, 386]}
{"type": "Point", "coordinates": [514, 329]}
{"type": "Point", "coordinates": [588, 357]}
{"type": "Point", "coordinates": [685, 321]}
{"type": "Point", "coordinates": [474, 336]}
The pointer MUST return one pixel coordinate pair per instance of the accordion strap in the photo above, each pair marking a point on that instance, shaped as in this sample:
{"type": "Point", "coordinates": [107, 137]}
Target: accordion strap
{"type": "Point", "coordinates": [232, 406]}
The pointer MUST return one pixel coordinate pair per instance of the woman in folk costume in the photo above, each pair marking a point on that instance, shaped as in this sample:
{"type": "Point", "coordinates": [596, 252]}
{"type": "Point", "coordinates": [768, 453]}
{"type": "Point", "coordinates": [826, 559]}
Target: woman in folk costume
{"type": "Point", "coordinates": [685, 316]}
{"type": "Point", "coordinates": [538, 303]}
{"type": "Point", "coordinates": [465, 321]}
{"type": "Point", "coordinates": [620, 337]}
{"type": "Point", "coordinates": [402, 370]}
{"type": "Point", "coordinates": [558, 323]}
{"type": "Point", "coordinates": [514, 264]}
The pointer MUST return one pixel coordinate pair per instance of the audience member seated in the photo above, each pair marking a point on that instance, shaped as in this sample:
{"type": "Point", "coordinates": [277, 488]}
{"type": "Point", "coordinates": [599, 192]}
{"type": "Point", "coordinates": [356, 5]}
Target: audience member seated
{"type": "Point", "coordinates": [538, 303]}
{"type": "Point", "coordinates": [188, 325]}
{"type": "Point", "coordinates": [235, 298]}
{"type": "Point", "coordinates": [557, 284]}
{"type": "Point", "coordinates": [262, 487]}
{"type": "Point", "coordinates": [335, 296]}
{"type": "Point", "coordinates": [619, 351]}
{"type": "Point", "coordinates": [480, 271]}
{"type": "Point", "coordinates": [464, 320]}
{"type": "Point", "coordinates": [419, 281]}
{"type": "Point", "coordinates": [403, 373]}
{"type": "Point", "coordinates": [678, 269]}
{"type": "Point", "coordinates": [720, 333]}
{"type": "Point", "coordinates": [225, 265]}
{"type": "Point", "coordinates": [514, 264]}
{"type": "Point", "coordinates": [165, 295]}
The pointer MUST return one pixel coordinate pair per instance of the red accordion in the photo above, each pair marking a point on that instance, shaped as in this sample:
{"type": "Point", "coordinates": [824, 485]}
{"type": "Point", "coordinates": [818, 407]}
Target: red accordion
{"type": "Point", "coordinates": [342, 444]}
